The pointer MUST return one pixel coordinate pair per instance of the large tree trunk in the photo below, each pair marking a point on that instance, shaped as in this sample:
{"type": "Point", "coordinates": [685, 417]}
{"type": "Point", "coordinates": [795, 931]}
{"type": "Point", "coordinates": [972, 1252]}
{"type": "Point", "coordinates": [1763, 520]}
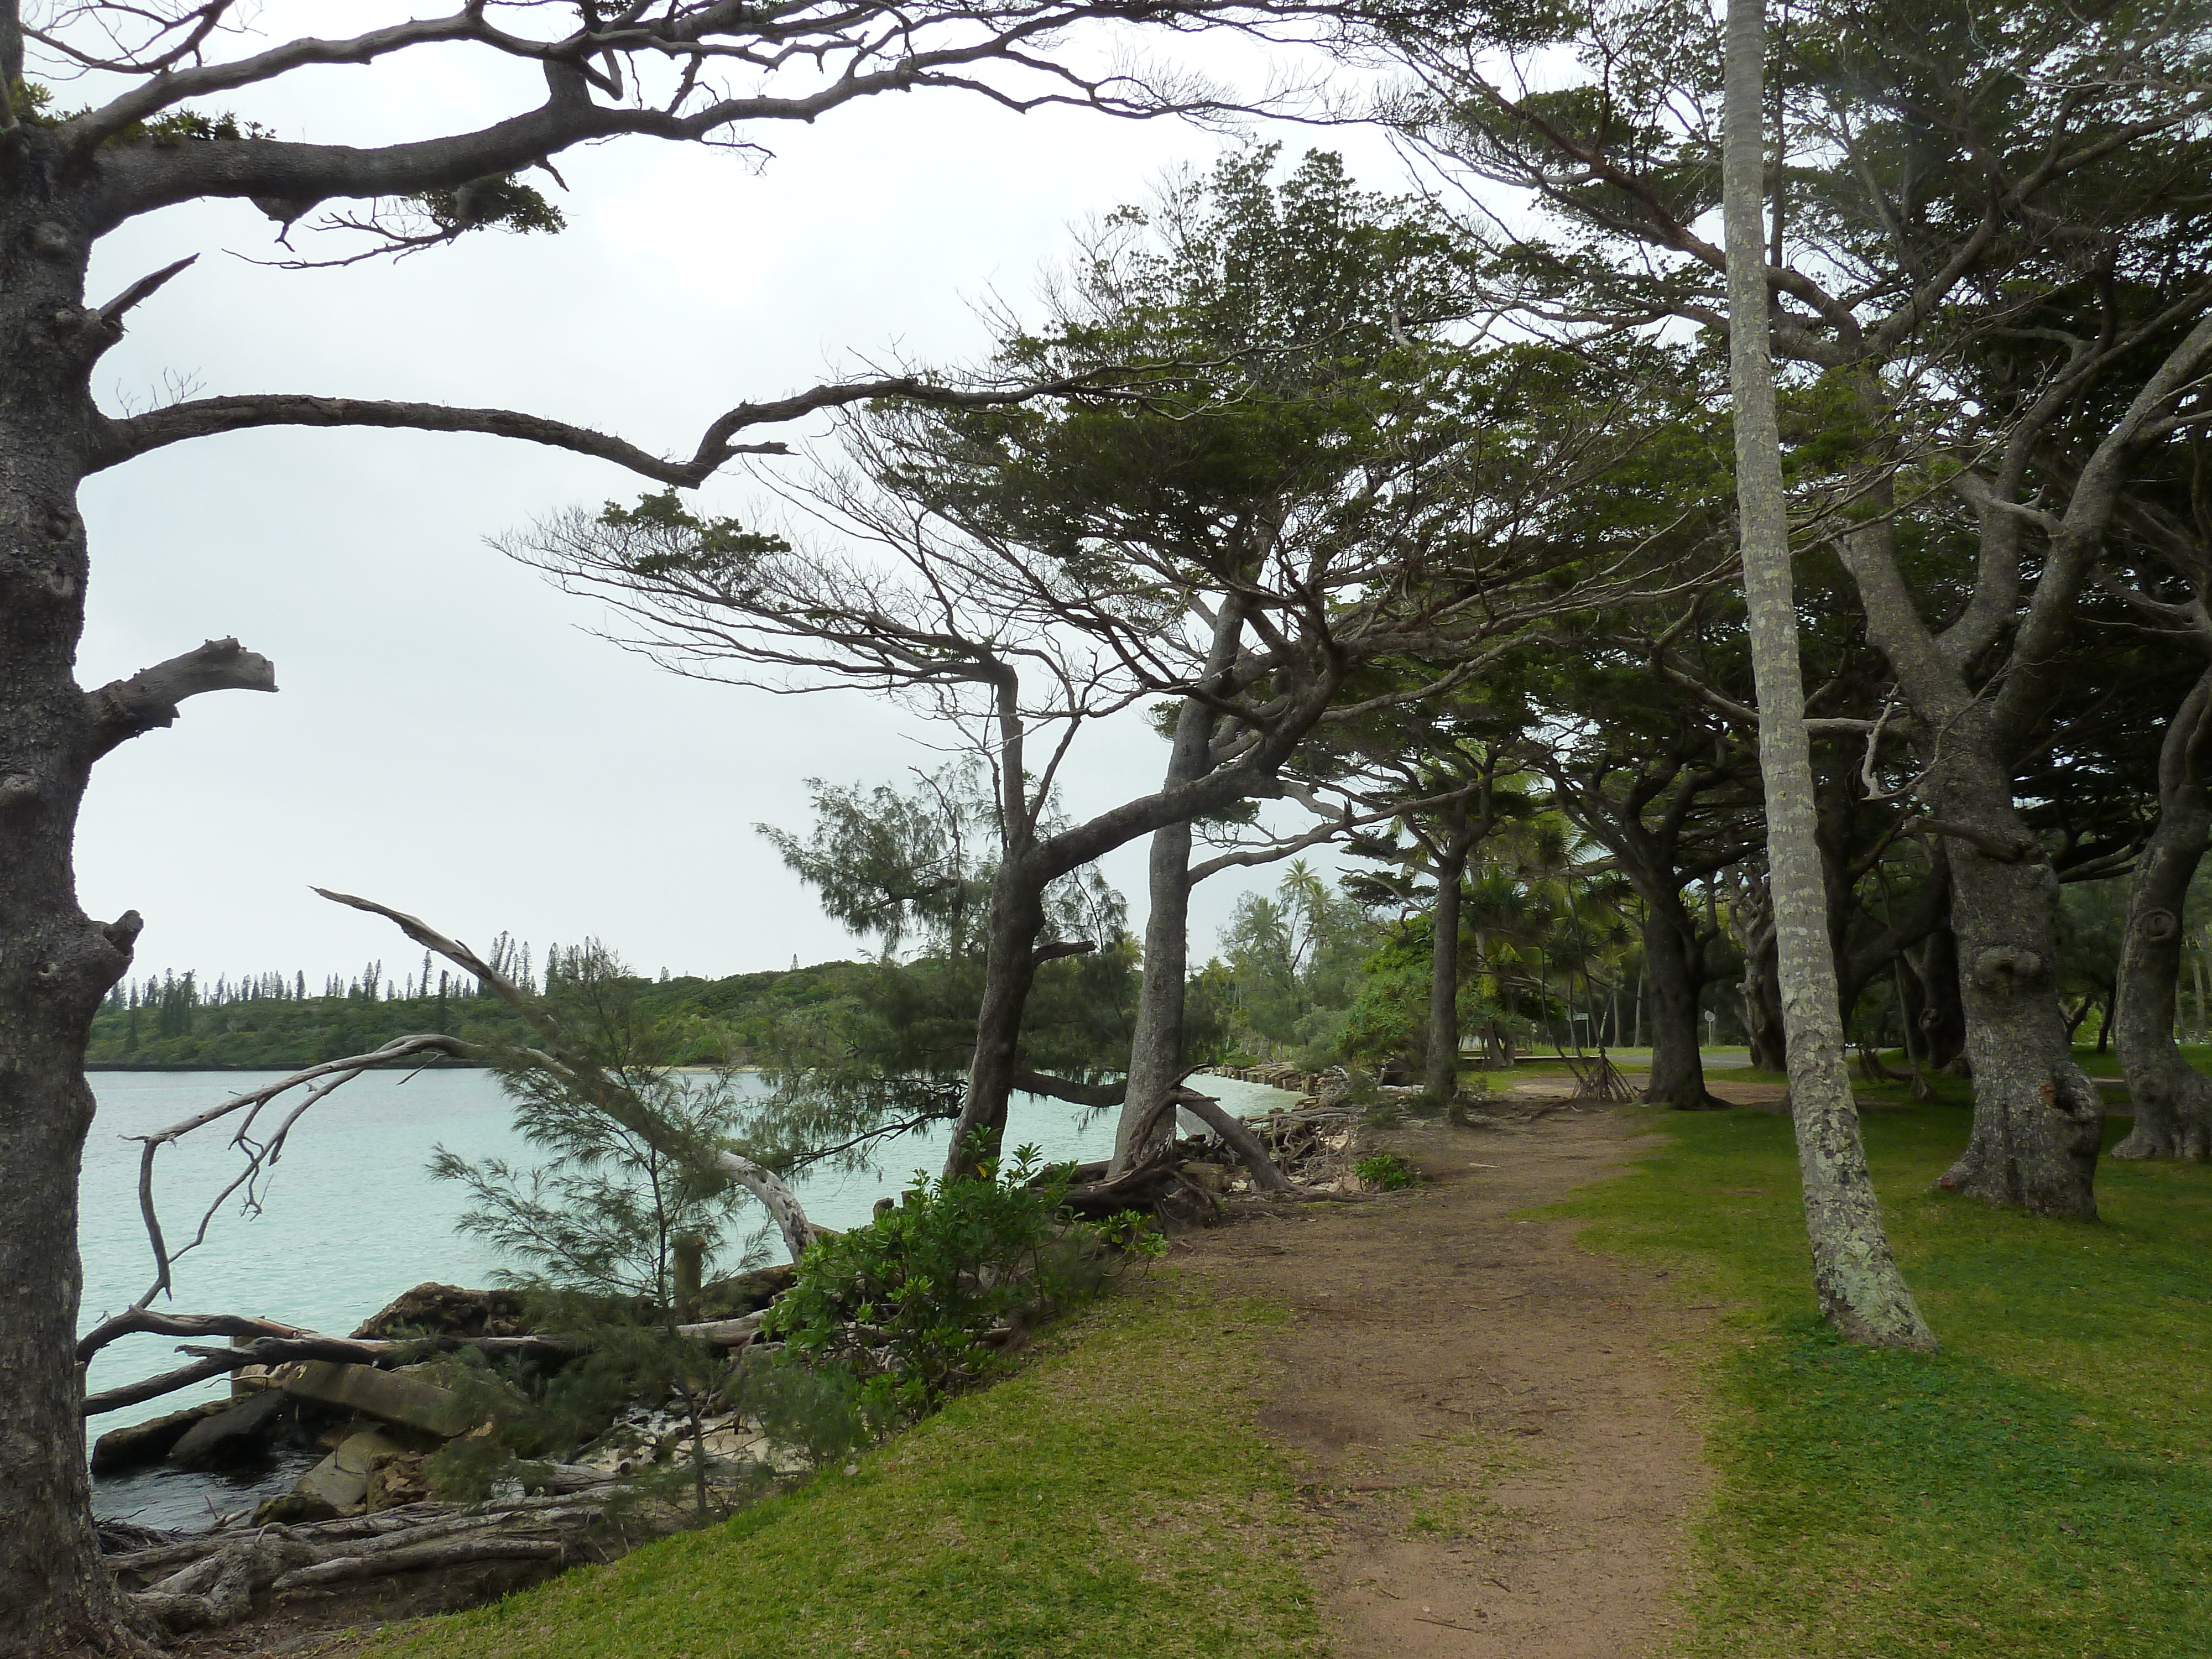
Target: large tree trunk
{"type": "Point", "coordinates": [1762, 990]}
{"type": "Point", "coordinates": [55, 963]}
{"type": "Point", "coordinates": [1441, 1083]}
{"type": "Point", "coordinates": [2039, 1122]}
{"type": "Point", "coordinates": [2172, 1099]}
{"type": "Point", "coordinates": [1861, 1291]}
{"type": "Point", "coordinates": [1156, 1043]}
{"type": "Point", "coordinates": [1675, 963]}
{"type": "Point", "coordinates": [1941, 1016]}
{"type": "Point", "coordinates": [1156, 1057]}
{"type": "Point", "coordinates": [1009, 972]}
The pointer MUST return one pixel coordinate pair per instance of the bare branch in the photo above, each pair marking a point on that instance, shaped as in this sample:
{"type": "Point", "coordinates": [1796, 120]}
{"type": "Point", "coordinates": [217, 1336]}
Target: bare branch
{"type": "Point", "coordinates": [119, 440]}
{"type": "Point", "coordinates": [591, 1079]}
{"type": "Point", "coordinates": [124, 710]}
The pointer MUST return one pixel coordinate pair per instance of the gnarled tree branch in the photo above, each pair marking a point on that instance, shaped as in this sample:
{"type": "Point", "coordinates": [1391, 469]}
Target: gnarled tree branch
{"type": "Point", "coordinates": [124, 710]}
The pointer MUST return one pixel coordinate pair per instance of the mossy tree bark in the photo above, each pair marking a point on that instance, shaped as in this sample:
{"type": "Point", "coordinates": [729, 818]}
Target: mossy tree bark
{"type": "Point", "coordinates": [1861, 1291]}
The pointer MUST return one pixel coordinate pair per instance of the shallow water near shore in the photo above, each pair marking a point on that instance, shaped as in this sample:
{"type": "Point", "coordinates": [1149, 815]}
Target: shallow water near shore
{"type": "Point", "coordinates": [350, 1218]}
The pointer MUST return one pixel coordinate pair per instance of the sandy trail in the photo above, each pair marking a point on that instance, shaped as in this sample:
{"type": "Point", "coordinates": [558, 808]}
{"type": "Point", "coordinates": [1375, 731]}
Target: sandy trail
{"type": "Point", "coordinates": [1491, 1438]}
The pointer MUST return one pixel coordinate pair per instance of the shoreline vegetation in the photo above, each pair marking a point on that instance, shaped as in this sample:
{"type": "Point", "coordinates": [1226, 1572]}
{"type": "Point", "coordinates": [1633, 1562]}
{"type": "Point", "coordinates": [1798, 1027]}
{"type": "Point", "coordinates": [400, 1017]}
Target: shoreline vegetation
{"type": "Point", "coordinates": [178, 1026]}
{"type": "Point", "coordinates": [2021, 1492]}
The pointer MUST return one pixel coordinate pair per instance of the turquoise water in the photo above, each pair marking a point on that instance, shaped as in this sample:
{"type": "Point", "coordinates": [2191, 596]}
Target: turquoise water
{"type": "Point", "coordinates": [351, 1217]}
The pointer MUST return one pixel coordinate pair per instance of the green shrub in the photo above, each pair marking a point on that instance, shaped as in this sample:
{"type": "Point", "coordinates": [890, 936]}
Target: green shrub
{"type": "Point", "coordinates": [916, 1293]}
{"type": "Point", "coordinates": [822, 1412]}
{"type": "Point", "coordinates": [1386, 1170]}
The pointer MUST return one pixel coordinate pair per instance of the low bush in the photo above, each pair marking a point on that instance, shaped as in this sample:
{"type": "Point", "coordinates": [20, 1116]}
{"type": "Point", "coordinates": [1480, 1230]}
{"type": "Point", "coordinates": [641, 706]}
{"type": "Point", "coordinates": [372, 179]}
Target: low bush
{"type": "Point", "coordinates": [923, 1294]}
{"type": "Point", "coordinates": [1385, 1170]}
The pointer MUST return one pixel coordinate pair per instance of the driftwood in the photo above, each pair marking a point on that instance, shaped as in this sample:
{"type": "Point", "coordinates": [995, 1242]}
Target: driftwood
{"type": "Point", "coordinates": [1240, 1139]}
{"type": "Point", "coordinates": [449, 1553]}
{"type": "Point", "coordinates": [1872, 1068]}
{"type": "Point", "coordinates": [289, 1343]}
{"type": "Point", "coordinates": [1141, 1189]}
{"type": "Point", "coordinates": [260, 1155]}
{"type": "Point", "coordinates": [211, 1581]}
{"type": "Point", "coordinates": [1596, 1078]}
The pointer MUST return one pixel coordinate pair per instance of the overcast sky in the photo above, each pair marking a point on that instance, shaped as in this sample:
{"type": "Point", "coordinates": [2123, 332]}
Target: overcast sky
{"type": "Point", "coordinates": [450, 738]}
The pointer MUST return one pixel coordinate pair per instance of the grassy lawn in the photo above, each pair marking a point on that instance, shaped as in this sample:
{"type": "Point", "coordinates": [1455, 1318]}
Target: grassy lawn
{"type": "Point", "coordinates": [2041, 1488]}
{"type": "Point", "coordinates": [1109, 1501]}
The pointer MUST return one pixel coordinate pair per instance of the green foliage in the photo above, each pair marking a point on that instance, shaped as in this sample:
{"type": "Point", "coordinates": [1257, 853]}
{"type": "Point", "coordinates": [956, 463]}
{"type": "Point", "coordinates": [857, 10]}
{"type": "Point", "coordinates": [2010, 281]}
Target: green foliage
{"type": "Point", "coordinates": [892, 1050]}
{"type": "Point", "coordinates": [1385, 1170]}
{"type": "Point", "coordinates": [32, 104]}
{"type": "Point", "coordinates": [1026, 1519]}
{"type": "Point", "coordinates": [822, 1410]}
{"type": "Point", "coordinates": [500, 203]}
{"type": "Point", "coordinates": [627, 1181]}
{"type": "Point", "coordinates": [1389, 1018]}
{"type": "Point", "coordinates": [626, 1168]}
{"type": "Point", "coordinates": [662, 537]}
{"type": "Point", "coordinates": [187, 126]}
{"type": "Point", "coordinates": [2043, 1485]}
{"type": "Point", "coordinates": [1294, 960]}
{"type": "Point", "coordinates": [532, 1409]}
{"type": "Point", "coordinates": [706, 1022]}
{"type": "Point", "coordinates": [932, 1275]}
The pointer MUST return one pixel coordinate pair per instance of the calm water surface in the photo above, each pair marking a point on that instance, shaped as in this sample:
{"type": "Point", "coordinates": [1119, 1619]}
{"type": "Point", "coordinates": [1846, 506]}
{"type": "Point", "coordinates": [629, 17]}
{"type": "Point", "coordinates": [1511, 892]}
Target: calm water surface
{"type": "Point", "coordinates": [351, 1217]}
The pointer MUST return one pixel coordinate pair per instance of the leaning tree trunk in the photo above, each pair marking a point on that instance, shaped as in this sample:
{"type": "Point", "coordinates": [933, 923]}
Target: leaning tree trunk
{"type": "Point", "coordinates": [1441, 1085]}
{"type": "Point", "coordinates": [1009, 972]}
{"type": "Point", "coordinates": [1860, 1289]}
{"type": "Point", "coordinates": [2038, 1122]}
{"type": "Point", "coordinates": [1676, 966]}
{"type": "Point", "coordinates": [2172, 1099]}
{"type": "Point", "coordinates": [56, 963]}
{"type": "Point", "coordinates": [1156, 1044]}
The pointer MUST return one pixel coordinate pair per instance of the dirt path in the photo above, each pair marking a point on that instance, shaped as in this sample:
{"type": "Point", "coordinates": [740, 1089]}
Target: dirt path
{"type": "Point", "coordinates": [1484, 1416]}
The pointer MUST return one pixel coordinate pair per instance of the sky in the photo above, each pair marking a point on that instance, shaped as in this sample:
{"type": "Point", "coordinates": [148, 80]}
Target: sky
{"type": "Point", "coordinates": [451, 737]}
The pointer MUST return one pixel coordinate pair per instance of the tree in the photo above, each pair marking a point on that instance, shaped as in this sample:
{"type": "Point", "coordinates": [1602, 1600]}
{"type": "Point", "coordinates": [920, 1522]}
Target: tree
{"type": "Point", "coordinates": [1294, 959]}
{"type": "Point", "coordinates": [69, 178]}
{"type": "Point", "coordinates": [1941, 189]}
{"type": "Point", "coordinates": [2172, 1100]}
{"type": "Point", "coordinates": [1657, 782]}
{"type": "Point", "coordinates": [1367, 525]}
{"type": "Point", "coordinates": [891, 1052]}
{"type": "Point", "coordinates": [1451, 753]}
{"type": "Point", "coordinates": [605, 1210]}
{"type": "Point", "coordinates": [1860, 1289]}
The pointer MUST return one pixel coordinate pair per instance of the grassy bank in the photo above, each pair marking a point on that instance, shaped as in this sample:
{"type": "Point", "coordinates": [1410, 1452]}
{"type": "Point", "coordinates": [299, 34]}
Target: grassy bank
{"type": "Point", "coordinates": [2041, 1488]}
{"type": "Point", "coordinates": [1109, 1501]}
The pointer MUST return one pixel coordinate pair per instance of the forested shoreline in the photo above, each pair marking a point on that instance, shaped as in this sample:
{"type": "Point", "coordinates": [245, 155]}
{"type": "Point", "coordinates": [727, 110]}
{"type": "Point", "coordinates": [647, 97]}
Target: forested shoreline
{"type": "Point", "coordinates": [261, 1025]}
{"type": "Point", "coordinates": [1705, 533]}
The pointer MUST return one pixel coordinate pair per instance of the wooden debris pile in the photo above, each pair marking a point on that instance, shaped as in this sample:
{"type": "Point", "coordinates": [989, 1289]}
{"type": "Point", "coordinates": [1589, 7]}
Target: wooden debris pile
{"type": "Point", "coordinates": [214, 1579]}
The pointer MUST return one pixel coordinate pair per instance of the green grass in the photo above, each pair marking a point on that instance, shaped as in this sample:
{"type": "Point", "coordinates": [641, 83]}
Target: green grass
{"type": "Point", "coordinates": [1110, 1500]}
{"type": "Point", "coordinates": [2041, 1488]}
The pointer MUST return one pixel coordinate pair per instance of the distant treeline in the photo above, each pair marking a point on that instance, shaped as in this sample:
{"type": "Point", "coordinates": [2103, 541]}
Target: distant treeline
{"type": "Point", "coordinates": [271, 1021]}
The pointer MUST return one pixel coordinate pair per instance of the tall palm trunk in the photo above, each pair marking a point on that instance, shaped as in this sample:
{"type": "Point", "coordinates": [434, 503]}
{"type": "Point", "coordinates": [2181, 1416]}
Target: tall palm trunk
{"type": "Point", "coordinates": [1861, 1291]}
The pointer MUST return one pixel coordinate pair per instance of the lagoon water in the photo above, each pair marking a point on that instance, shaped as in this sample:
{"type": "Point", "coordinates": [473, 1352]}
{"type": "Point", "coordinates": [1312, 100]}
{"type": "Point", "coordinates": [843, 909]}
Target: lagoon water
{"type": "Point", "coordinates": [351, 1217]}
